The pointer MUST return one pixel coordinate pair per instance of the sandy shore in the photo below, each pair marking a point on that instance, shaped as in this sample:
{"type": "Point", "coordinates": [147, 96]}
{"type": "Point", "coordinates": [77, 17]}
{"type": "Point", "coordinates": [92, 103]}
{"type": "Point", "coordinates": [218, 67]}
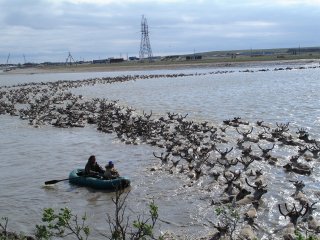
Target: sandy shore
{"type": "Point", "coordinates": [154, 66]}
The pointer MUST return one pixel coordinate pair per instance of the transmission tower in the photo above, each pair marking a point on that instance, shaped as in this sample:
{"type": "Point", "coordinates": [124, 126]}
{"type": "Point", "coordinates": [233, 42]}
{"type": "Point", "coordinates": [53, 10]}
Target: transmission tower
{"type": "Point", "coordinates": [7, 63]}
{"type": "Point", "coordinates": [70, 59]}
{"type": "Point", "coordinates": [145, 47]}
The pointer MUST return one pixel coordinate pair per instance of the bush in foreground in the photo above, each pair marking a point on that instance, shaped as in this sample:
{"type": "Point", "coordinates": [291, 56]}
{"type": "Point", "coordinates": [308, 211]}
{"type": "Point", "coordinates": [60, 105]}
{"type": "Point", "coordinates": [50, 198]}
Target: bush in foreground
{"type": "Point", "coordinates": [65, 224]}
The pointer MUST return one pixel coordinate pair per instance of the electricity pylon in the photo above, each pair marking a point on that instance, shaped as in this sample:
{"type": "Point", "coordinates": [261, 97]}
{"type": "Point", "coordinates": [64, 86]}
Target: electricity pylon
{"type": "Point", "coordinates": [145, 47]}
{"type": "Point", "coordinates": [70, 59]}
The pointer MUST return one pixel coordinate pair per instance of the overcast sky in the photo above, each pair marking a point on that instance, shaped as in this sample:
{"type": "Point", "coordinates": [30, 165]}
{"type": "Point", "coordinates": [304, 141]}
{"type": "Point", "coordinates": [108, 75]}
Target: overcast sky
{"type": "Point", "coordinates": [46, 30]}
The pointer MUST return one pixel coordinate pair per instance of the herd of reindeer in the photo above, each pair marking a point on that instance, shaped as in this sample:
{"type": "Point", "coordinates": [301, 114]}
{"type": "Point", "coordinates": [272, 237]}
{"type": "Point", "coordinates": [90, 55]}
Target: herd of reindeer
{"type": "Point", "coordinates": [232, 154]}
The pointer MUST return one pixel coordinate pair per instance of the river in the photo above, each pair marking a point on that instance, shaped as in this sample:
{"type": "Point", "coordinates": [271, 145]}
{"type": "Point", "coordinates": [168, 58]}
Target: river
{"type": "Point", "coordinates": [30, 156]}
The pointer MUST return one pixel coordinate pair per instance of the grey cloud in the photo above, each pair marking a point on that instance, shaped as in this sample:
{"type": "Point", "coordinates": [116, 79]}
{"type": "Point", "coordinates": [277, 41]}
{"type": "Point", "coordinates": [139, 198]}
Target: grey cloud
{"type": "Point", "coordinates": [48, 29]}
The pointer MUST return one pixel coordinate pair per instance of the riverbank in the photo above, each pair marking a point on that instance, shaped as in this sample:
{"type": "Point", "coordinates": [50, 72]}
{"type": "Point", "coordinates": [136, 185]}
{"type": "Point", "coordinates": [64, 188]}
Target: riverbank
{"type": "Point", "coordinates": [138, 66]}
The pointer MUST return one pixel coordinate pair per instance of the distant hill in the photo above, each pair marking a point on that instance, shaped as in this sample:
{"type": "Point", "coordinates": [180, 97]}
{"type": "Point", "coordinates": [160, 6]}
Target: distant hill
{"type": "Point", "coordinates": [271, 51]}
{"type": "Point", "coordinates": [249, 55]}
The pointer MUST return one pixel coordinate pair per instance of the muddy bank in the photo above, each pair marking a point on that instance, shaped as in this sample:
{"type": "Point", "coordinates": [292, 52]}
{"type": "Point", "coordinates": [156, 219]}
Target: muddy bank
{"type": "Point", "coordinates": [154, 66]}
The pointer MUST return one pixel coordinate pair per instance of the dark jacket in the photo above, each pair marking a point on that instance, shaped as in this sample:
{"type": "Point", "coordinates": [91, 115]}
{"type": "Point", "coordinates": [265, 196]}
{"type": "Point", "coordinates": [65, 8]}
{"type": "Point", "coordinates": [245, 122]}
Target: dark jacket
{"type": "Point", "coordinates": [93, 169]}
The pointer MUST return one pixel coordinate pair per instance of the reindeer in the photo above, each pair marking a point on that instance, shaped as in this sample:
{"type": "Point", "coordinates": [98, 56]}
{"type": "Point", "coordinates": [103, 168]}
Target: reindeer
{"type": "Point", "coordinates": [172, 116]}
{"type": "Point", "coordinates": [147, 116]}
{"type": "Point", "coordinates": [227, 121]}
{"type": "Point", "coordinates": [239, 143]}
{"type": "Point", "coordinates": [259, 189]}
{"type": "Point", "coordinates": [234, 122]}
{"type": "Point", "coordinates": [188, 157]}
{"type": "Point", "coordinates": [298, 194]}
{"type": "Point", "coordinates": [260, 124]}
{"type": "Point", "coordinates": [302, 150]}
{"type": "Point", "coordinates": [215, 174]}
{"type": "Point", "coordinates": [268, 138]}
{"type": "Point", "coordinates": [278, 132]}
{"type": "Point", "coordinates": [198, 172]}
{"type": "Point", "coordinates": [201, 157]}
{"type": "Point", "coordinates": [295, 163]}
{"type": "Point", "coordinates": [314, 150]}
{"type": "Point", "coordinates": [242, 192]}
{"type": "Point", "coordinates": [233, 191]}
{"type": "Point", "coordinates": [313, 224]}
{"type": "Point", "coordinates": [213, 136]}
{"type": "Point", "coordinates": [294, 214]}
{"type": "Point", "coordinates": [174, 163]}
{"type": "Point", "coordinates": [206, 128]}
{"type": "Point", "coordinates": [222, 231]}
{"type": "Point", "coordinates": [304, 135]}
{"type": "Point", "coordinates": [288, 167]}
{"type": "Point", "coordinates": [180, 118]}
{"type": "Point", "coordinates": [271, 160]}
{"type": "Point", "coordinates": [261, 135]}
{"type": "Point", "coordinates": [256, 196]}
{"type": "Point", "coordinates": [251, 214]}
{"type": "Point", "coordinates": [164, 157]}
{"type": "Point", "coordinates": [230, 181]}
{"type": "Point", "coordinates": [287, 140]}
{"type": "Point", "coordinates": [227, 164]}
{"type": "Point", "coordinates": [246, 151]}
{"type": "Point", "coordinates": [245, 162]}
{"type": "Point", "coordinates": [238, 121]}
{"type": "Point", "coordinates": [259, 178]}
{"type": "Point", "coordinates": [224, 154]}
{"type": "Point", "coordinates": [299, 186]}
{"type": "Point", "coordinates": [223, 129]}
{"type": "Point", "coordinates": [283, 127]}
{"type": "Point", "coordinates": [310, 211]}
{"type": "Point", "coordinates": [245, 136]}
{"type": "Point", "coordinates": [265, 151]}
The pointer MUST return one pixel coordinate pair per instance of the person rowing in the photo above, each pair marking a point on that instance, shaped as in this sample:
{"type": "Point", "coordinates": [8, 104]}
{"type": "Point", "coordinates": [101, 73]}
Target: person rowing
{"type": "Point", "coordinates": [92, 168]}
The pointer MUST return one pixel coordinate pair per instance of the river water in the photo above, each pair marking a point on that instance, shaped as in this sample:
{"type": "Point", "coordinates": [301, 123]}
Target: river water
{"type": "Point", "coordinates": [30, 156]}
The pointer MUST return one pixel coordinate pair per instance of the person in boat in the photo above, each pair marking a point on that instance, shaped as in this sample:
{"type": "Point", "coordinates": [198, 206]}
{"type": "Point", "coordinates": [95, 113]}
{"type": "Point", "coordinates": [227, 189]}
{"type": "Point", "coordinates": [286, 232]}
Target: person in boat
{"type": "Point", "coordinates": [110, 172]}
{"type": "Point", "coordinates": [93, 168]}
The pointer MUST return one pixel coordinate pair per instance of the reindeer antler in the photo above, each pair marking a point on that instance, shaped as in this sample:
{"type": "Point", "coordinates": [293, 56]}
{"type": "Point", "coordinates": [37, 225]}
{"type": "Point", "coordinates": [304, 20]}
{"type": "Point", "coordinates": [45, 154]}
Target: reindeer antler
{"type": "Point", "coordinates": [294, 214]}
{"type": "Point", "coordinates": [223, 154]}
{"type": "Point", "coordinates": [266, 150]}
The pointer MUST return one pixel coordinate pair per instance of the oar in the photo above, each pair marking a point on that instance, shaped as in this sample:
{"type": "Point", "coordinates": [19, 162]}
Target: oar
{"type": "Point", "coordinates": [56, 181]}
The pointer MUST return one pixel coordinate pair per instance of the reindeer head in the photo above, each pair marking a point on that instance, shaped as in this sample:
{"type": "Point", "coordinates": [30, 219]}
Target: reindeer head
{"type": "Point", "coordinates": [294, 214]}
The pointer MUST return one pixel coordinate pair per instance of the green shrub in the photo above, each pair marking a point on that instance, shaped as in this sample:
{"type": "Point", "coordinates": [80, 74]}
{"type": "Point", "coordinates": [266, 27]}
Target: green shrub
{"type": "Point", "coordinates": [62, 225]}
{"type": "Point", "coordinates": [300, 236]}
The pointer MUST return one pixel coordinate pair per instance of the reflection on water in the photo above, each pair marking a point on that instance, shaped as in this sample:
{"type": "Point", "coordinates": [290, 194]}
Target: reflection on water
{"type": "Point", "coordinates": [31, 156]}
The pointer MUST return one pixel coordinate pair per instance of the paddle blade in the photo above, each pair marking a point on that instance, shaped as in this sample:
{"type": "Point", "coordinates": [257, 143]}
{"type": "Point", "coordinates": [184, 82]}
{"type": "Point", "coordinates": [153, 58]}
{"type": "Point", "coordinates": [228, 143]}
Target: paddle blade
{"type": "Point", "coordinates": [51, 182]}
{"type": "Point", "coordinates": [55, 181]}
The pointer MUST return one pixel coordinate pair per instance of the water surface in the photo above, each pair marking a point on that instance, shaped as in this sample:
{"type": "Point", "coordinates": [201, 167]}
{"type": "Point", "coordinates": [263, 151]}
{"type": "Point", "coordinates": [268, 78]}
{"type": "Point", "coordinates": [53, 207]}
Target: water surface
{"type": "Point", "coordinates": [31, 156]}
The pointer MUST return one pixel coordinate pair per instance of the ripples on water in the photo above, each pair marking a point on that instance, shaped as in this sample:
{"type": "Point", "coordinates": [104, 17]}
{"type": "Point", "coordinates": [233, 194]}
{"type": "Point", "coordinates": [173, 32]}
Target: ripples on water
{"type": "Point", "coordinates": [32, 156]}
